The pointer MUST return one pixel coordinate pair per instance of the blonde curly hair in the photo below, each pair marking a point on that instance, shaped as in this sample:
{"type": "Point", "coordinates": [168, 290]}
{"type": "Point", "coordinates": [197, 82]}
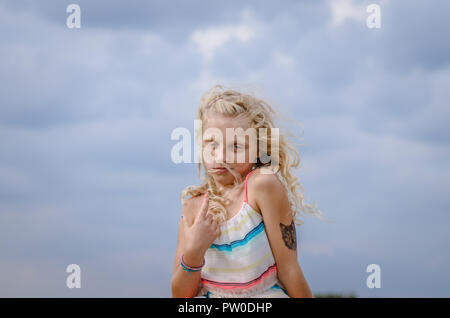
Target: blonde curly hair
{"type": "Point", "coordinates": [232, 103]}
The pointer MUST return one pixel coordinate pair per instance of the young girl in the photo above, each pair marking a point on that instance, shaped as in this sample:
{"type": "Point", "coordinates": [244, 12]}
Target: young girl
{"type": "Point", "coordinates": [236, 236]}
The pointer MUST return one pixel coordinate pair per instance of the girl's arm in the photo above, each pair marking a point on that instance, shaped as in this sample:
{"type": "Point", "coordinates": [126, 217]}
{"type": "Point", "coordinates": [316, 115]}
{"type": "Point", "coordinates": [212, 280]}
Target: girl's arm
{"type": "Point", "coordinates": [196, 231]}
{"type": "Point", "coordinates": [272, 200]}
{"type": "Point", "coordinates": [184, 285]}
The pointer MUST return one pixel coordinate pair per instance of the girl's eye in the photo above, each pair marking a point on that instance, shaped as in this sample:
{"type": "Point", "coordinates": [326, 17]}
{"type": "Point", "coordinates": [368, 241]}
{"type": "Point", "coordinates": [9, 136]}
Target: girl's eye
{"type": "Point", "coordinates": [212, 145]}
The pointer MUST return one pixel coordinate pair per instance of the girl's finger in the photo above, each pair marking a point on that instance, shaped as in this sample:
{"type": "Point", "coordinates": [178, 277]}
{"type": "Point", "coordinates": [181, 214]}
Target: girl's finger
{"type": "Point", "coordinates": [204, 207]}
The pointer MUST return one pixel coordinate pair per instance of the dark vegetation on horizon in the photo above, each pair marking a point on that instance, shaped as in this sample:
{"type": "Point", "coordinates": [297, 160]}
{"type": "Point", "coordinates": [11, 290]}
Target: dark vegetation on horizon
{"type": "Point", "coordinates": [335, 295]}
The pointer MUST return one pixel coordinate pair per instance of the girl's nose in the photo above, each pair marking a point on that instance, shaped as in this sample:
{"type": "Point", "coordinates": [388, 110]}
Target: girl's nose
{"type": "Point", "coordinates": [221, 156]}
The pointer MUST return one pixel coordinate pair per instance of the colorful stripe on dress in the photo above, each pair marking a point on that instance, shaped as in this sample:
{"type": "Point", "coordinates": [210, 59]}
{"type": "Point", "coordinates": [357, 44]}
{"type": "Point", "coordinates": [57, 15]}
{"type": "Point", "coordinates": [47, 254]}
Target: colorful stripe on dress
{"type": "Point", "coordinates": [228, 285]}
{"type": "Point", "coordinates": [240, 269]}
{"type": "Point", "coordinates": [237, 227]}
{"type": "Point", "coordinates": [228, 247]}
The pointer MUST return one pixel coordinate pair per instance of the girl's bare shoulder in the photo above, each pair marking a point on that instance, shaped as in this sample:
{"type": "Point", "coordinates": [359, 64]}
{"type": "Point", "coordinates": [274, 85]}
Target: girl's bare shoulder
{"type": "Point", "coordinates": [191, 207]}
{"type": "Point", "coordinates": [264, 183]}
{"type": "Point", "coordinates": [263, 180]}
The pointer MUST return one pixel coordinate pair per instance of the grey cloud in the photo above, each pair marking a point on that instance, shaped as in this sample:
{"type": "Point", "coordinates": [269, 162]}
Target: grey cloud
{"type": "Point", "coordinates": [86, 117]}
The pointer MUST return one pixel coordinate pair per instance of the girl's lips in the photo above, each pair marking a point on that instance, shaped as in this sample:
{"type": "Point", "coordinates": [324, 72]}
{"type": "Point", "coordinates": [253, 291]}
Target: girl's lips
{"type": "Point", "coordinates": [219, 170]}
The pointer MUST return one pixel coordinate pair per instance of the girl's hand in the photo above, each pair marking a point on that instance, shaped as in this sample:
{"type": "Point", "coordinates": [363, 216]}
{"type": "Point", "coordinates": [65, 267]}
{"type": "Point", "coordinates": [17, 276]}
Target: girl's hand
{"type": "Point", "coordinates": [201, 234]}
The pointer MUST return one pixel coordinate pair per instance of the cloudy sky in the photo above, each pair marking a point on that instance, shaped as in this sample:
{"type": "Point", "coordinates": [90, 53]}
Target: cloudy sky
{"type": "Point", "coordinates": [86, 115]}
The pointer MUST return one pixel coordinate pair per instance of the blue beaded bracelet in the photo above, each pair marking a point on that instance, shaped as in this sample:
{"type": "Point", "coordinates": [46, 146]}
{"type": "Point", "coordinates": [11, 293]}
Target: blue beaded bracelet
{"type": "Point", "coordinates": [190, 269]}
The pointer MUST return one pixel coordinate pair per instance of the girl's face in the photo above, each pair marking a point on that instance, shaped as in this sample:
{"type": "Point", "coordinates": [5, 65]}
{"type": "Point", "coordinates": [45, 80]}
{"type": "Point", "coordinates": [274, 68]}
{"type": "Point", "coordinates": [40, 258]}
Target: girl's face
{"type": "Point", "coordinates": [222, 152]}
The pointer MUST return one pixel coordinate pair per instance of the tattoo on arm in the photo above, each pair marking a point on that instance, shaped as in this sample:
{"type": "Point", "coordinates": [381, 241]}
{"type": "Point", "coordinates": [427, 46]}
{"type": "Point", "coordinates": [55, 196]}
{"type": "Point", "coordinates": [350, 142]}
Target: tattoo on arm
{"type": "Point", "coordinates": [289, 235]}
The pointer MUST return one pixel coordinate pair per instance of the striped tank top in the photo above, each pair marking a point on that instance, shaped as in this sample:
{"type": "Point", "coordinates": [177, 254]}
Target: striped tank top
{"type": "Point", "coordinates": [240, 262]}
